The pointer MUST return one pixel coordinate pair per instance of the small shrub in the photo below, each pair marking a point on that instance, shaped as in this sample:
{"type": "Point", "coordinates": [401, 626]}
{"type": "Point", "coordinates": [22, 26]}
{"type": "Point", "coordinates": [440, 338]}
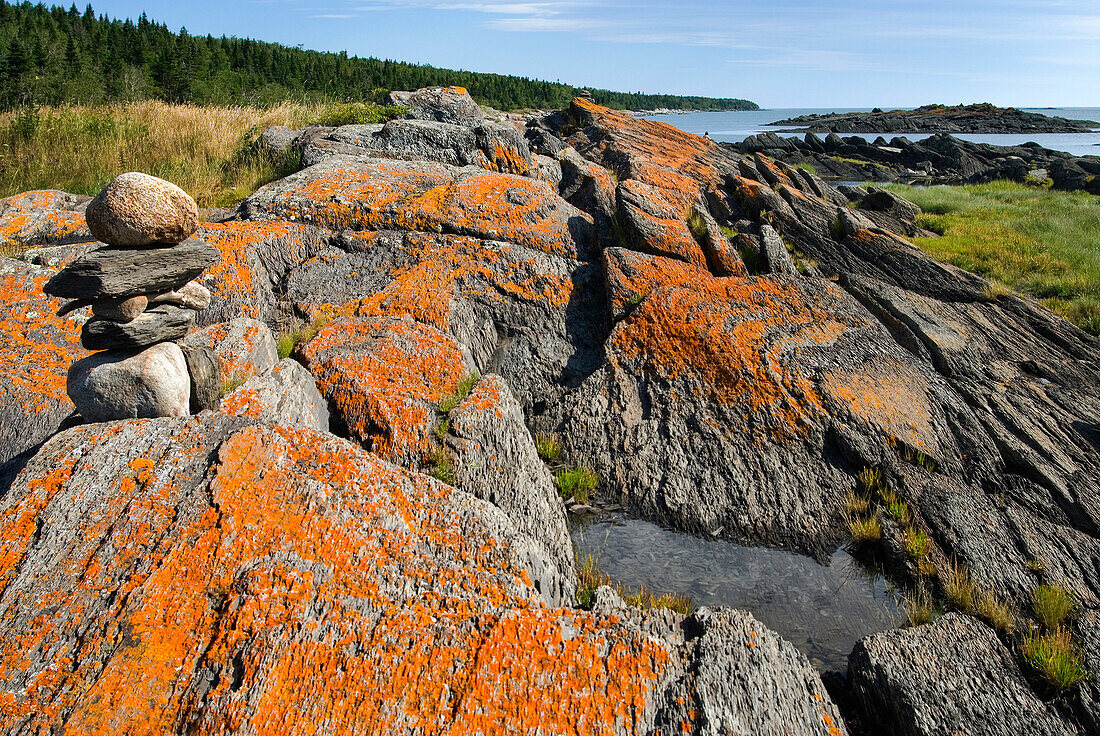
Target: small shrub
{"type": "Point", "coordinates": [958, 588]}
{"type": "Point", "coordinates": [645, 598]}
{"type": "Point", "coordinates": [442, 429]}
{"type": "Point", "coordinates": [865, 530]}
{"type": "Point", "coordinates": [548, 446]}
{"type": "Point", "coordinates": [576, 483]}
{"type": "Point", "coordinates": [996, 613]}
{"type": "Point", "coordinates": [917, 543]}
{"type": "Point", "coordinates": [856, 504]}
{"type": "Point", "coordinates": [443, 468]}
{"type": "Point", "coordinates": [589, 577]}
{"type": "Point", "coordinates": [697, 224]}
{"type": "Point", "coordinates": [460, 393]}
{"type": "Point", "coordinates": [918, 606]}
{"type": "Point", "coordinates": [1052, 605]}
{"type": "Point", "coordinates": [1055, 658]}
{"type": "Point", "coordinates": [358, 113]}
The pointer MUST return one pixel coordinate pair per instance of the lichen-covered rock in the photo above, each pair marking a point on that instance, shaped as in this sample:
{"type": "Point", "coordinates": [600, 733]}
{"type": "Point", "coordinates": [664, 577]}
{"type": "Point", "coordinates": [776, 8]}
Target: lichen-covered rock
{"type": "Point", "coordinates": [532, 317]}
{"type": "Point", "coordinates": [137, 209]}
{"type": "Point", "coordinates": [42, 218]}
{"type": "Point", "coordinates": [948, 677]}
{"type": "Point", "coordinates": [345, 192]}
{"type": "Point", "coordinates": [385, 376]}
{"type": "Point", "coordinates": [36, 349]}
{"type": "Point", "coordinates": [213, 575]}
{"type": "Point", "coordinates": [121, 384]}
{"type": "Point", "coordinates": [286, 394]}
{"type": "Point", "coordinates": [244, 347]}
{"type": "Point", "coordinates": [124, 272]}
{"type": "Point", "coordinates": [445, 104]}
{"type": "Point", "coordinates": [495, 459]}
{"type": "Point", "coordinates": [255, 257]}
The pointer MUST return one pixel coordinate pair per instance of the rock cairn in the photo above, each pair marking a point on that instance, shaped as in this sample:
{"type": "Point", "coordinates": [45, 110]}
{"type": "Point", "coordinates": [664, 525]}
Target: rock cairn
{"type": "Point", "coordinates": [143, 296]}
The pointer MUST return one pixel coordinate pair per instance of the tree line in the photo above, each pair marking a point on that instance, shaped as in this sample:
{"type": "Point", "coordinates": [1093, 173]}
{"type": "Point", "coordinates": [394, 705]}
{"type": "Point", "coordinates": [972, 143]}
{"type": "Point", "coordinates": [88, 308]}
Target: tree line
{"type": "Point", "coordinates": [54, 56]}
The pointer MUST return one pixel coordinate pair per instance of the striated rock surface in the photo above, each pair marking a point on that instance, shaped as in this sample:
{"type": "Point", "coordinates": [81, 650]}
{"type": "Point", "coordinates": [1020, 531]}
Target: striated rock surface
{"type": "Point", "coordinates": [43, 218]}
{"type": "Point", "coordinates": [285, 394]}
{"type": "Point", "coordinates": [283, 578]}
{"type": "Point", "coordinates": [124, 272]}
{"type": "Point", "coordinates": [948, 677]}
{"type": "Point", "coordinates": [164, 323]}
{"type": "Point", "coordinates": [444, 104]}
{"type": "Point", "coordinates": [243, 347]}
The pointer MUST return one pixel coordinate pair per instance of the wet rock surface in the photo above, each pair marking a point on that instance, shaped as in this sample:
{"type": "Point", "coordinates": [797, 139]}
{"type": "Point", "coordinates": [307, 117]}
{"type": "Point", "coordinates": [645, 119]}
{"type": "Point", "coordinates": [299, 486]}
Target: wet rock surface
{"type": "Point", "coordinates": [719, 336]}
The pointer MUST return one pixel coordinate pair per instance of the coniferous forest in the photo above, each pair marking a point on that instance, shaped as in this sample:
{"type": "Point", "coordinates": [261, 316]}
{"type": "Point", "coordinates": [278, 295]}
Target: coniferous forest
{"type": "Point", "coordinates": [54, 56]}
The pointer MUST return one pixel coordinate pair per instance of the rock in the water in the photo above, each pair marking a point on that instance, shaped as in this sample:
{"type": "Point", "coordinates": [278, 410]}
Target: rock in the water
{"type": "Point", "coordinates": [244, 347]}
{"type": "Point", "coordinates": [124, 310]}
{"type": "Point", "coordinates": [948, 677]}
{"type": "Point", "coordinates": [286, 394]}
{"type": "Point", "coordinates": [162, 323]}
{"type": "Point", "coordinates": [125, 272]}
{"type": "Point", "coordinates": [125, 384]}
{"type": "Point", "coordinates": [137, 209]}
{"type": "Point", "coordinates": [445, 104]}
{"type": "Point", "coordinates": [192, 295]}
{"type": "Point", "coordinates": [206, 377]}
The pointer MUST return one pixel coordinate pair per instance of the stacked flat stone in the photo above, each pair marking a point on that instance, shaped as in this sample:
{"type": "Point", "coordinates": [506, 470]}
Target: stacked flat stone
{"type": "Point", "coordinates": [143, 295]}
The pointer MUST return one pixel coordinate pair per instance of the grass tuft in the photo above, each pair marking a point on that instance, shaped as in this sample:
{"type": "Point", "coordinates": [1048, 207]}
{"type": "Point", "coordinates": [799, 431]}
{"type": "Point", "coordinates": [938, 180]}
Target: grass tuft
{"type": "Point", "coordinates": [548, 446]}
{"type": "Point", "coordinates": [865, 530]}
{"type": "Point", "coordinates": [465, 386]}
{"type": "Point", "coordinates": [292, 338]}
{"type": "Point", "coordinates": [576, 483]}
{"type": "Point", "coordinates": [1022, 238]}
{"type": "Point", "coordinates": [590, 577]}
{"type": "Point", "coordinates": [958, 588]}
{"type": "Point", "coordinates": [856, 504]}
{"type": "Point", "coordinates": [442, 429]}
{"type": "Point", "coordinates": [442, 466]}
{"type": "Point", "coordinates": [919, 607]}
{"type": "Point", "coordinates": [231, 383]}
{"type": "Point", "coordinates": [697, 224]}
{"type": "Point", "coordinates": [995, 612]}
{"type": "Point", "coordinates": [1052, 605]}
{"type": "Point", "coordinates": [1055, 658]}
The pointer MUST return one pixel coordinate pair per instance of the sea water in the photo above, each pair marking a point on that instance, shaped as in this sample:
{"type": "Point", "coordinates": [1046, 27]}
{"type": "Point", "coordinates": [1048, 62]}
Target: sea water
{"type": "Point", "coordinates": [734, 127]}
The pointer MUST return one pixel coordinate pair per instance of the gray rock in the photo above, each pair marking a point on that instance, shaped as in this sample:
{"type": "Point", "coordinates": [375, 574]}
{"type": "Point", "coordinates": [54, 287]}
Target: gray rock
{"type": "Point", "coordinates": [206, 377]}
{"type": "Point", "coordinates": [286, 395]}
{"type": "Point", "coordinates": [276, 140]}
{"type": "Point", "coordinates": [496, 460]}
{"type": "Point", "coordinates": [125, 272]}
{"type": "Point", "coordinates": [43, 218]}
{"type": "Point", "coordinates": [137, 210]}
{"type": "Point", "coordinates": [445, 104]}
{"type": "Point", "coordinates": [120, 310]}
{"type": "Point", "coordinates": [747, 680]}
{"type": "Point", "coordinates": [779, 260]}
{"type": "Point", "coordinates": [948, 677]}
{"type": "Point", "coordinates": [124, 384]}
{"type": "Point", "coordinates": [191, 295]}
{"type": "Point", "coordinates": [163, 323]}
{"type": "Point", "coordinates": [244, 347]}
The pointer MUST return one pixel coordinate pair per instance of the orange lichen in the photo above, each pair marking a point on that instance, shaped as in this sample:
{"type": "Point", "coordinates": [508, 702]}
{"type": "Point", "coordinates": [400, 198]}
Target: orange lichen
{"type": "Point", "coordinates": [735, 339]}
{"type": "Point", "coordinates": [385, 376]}
{"type": "Point", "coordinates": [39, 218]}
{"type": "Point", "coordinates": [297, 586]}
{"type": "Point", "coordinates": [892, 398]}
{"type": "Point", "coordinates": [442, 267]}
{"type": "Point", "coordinates": [36, 346]}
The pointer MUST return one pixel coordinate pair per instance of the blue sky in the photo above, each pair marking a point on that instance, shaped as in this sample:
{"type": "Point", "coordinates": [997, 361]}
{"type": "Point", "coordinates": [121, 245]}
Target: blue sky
{"type": "Point", "coordinates": [779, 53]}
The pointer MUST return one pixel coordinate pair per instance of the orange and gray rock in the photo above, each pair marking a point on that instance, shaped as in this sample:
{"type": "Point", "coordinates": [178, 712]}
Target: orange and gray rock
{"type": "Point", "coordinates": [116, 384]}
{"type": "Point", "coordinates": [137, 210]}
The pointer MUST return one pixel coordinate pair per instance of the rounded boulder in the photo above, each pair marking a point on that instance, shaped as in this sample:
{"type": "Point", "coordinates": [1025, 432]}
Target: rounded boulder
{"type": "Point", "coordinates": [137, 209]}
{"type": "Point", "coordinates": [130, 384]}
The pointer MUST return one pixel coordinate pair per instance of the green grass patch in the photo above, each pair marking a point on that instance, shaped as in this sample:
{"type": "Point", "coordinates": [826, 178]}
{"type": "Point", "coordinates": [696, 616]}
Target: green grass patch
{"type": "Point", "coordinates": [1055, 658]}
{"type": "Point", "coordinates": [865, 530]}
{"type": "Point", "coordinates": [1042, 243]}
{"type": "Point", "coordinates": [548, 446]}
{"type": "Point", "coordinates": [465, 386]}
{"type": "Point", "coordinates": [590, 577]}
{"type": "Point", "coordinates": [231, 383]}
{"type": "Point", "coordinates": [291, 338]}
{"type": "Point", "coordinates": [576, 483]}
{"type": "Point", "coordinates": [806, 167]}
{"type": "Point", "coordinates": [1052, 605]}
{"type": "Point", "coordinates": [442, 466]}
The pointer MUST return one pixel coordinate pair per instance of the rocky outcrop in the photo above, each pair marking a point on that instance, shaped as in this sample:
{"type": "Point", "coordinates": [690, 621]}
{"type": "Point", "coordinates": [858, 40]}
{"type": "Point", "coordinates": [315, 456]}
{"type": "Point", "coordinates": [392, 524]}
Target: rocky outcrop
{"type": "Point", "coordinates": [951, 676]}
{"type": "Point", "coordinates": [236, 575]}
{"type": "Point", "coordinates": [285, 394]}
{"type": "Point", "coordinates": [443, 104]}
{"type": "Point", "coordinates": [45, 217]}
{"type": "Point", "coordinates": [980, 118]}
{"type": "Point", "coordinates": [939, 159]}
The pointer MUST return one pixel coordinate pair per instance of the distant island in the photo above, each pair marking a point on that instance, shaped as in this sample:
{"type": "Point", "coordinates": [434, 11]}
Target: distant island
{"type": "Point", "coordinates": [979, 118]}
{"type": "Point", "coordinates": [94, 60]}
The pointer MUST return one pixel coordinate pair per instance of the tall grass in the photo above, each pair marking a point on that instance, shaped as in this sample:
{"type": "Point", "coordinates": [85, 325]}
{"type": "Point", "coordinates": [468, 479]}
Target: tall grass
{"type": "Point", "coordinates": [1038, 242]}
{"type": "Point", "coordinates": [204, 150]}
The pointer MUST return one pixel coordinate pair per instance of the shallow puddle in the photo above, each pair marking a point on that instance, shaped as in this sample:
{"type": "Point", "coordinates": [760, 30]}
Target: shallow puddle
{"type": "Point", "coordinates": [821, 609]}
